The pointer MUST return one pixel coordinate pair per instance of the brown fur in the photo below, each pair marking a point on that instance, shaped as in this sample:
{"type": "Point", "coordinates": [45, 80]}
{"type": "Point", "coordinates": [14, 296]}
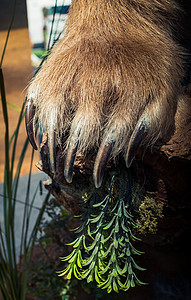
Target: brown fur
{"type": "Point", "coordinates": [117, 61]}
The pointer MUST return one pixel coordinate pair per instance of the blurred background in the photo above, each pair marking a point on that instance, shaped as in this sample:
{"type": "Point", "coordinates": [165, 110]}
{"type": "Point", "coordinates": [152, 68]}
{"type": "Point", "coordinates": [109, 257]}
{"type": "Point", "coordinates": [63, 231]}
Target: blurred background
{"type": "Point", "coordinates": [17, 70]}
{"type": "Point", "coordinates": [28, 41]}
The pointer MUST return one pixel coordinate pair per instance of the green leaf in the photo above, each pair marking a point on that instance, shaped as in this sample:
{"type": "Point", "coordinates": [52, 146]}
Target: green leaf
{"type": "Point", "coordinates": [130, 271]}
{"type": "Point", "coordinates": [119, 212]}
{"type": "Point", "coordinates": [84, 243]}
{"type": "Point", "coordinates": [89, 232]}
{"type": "Point", "coordinates": [108, 225]}
{"type": "Point", "coordinates": [96, 219]}
{"type": "Point", "coordinates": [101, 265]}
{"type": "Point", "coordinates": [114, 271]}
{"type": "Point", "coordinates": [88, 261]}
{"type": "Point", "coordinates": [85, 273]}
{"type": "Point", "coordinates": [127, 284]}
{"type": "Point", "coordinates": [125, 212]}
{"type": "Point", "coordinates": [137, 266]}
{"type": "Point", "coordinates": [128, 252]}
{"type": "Point", "coordinates": [121, 255]}
{"type": "Point", "coordinates": [97, 238]}
{"type": "Point", "coordinates": [135, 251]}
{"type": "Point", "coordinates": [106, 268]}
{"type": "Point", "coordinates": [98, 277]}
{"type": "Point", "coordinates": [69, 256]}
{"type": "Point", "coordinates": [132, 282]}
{"type": "Point", "coordinates": [124, 270]}
{"type": "Point", "coordinates": [121, 241]}
{"type": "Point", "coordinates": [133, 223]}
{"type": "Point", "coordinates": [79, 259]}
{"type": "Point", "coordinates": [95, 250]}
{"type": "Point", "coordinates": [115, 242]}
{"type": "Point", "coordinates": [109, 289]}
{"type": "Point", "coordinates": [139, 281]}
{"type": "Point", "coordinates": [92, 245]}
{"type": "Point", "coordinates": [13, 106]}
{"type": "Point", "coordinates": [107, 238]}
{"type": "Point", "coordinates": [100, 203]}
{"type": "Point", "coordinates": [115, 287]}
{"type": "Point", "coordinates": [124, 227]}
{"type": "Point", "coordinates": [76, 242]}
{"type": "Point", "coordinates": [113, 256]}
{"type": "Point", "coordinates": [115, 207]}
{"type": "Point", "coordinates": [99, 225]}
{"type": "Point", "coordinates": [106, 284]}
{"type": "Point", "coordinates": [121, 285]}
{"type": "Point", "coordinates": [127, 238]}
{"type": "Point", "coordinates": [73, 258]}
{"type": "Point", "coordinates": [64, 272]}
{"type": "Point", "coordinates": [91, 267]}
{"type": "Point", "coordinates": [108, 251]}
{"type": "Point", "coordinates": [69, 276]}
{"type": "Point", "coordinates": [90, 278]}
{"type": "Point", "coordinates": [117, 226]}
{"type": "Point", "coordinates": [77, 273]}
{"type": "Point", "coordinates": [79, 228]}
{"type": "Point", "coordinates": [134, 238]}
{"type": "Point", "coordinates": [119, 270]}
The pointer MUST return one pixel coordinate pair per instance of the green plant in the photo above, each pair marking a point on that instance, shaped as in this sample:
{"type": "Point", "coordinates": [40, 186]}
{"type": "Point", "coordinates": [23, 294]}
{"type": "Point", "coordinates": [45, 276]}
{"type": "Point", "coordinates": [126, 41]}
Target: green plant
{"type": "Point", "coordinates": [103, 250]}
{"type": "Point", "coordinates": [150, 211]}
{"type": "Point", "coordinates": [53, 234]}
{"type": "Point", "coordinates": [43, 281]}
{"type": "Point", "coordinates": [56, 232]}
{"type": "Point", "coordinates": [13, 275]}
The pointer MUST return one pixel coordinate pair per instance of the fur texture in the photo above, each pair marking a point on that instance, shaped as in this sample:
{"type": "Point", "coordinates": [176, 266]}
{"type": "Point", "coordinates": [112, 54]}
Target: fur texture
{"type": "Point", "coordinates": [118, 61]}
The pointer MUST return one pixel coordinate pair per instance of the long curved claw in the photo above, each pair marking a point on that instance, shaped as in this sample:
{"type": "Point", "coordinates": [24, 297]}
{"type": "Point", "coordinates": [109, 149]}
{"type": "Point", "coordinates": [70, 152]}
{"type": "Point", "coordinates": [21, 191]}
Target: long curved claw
{"type": "Point", "coordinates": [52, 150]}
{"type": "Point", "coordinates": [69, 160]}
{"type": "Point", "coordinates": [100, 163]}
{"type": "Point", "coordinates": [136, 138]}
{"type": "Point", "coordinates": [29, 115]}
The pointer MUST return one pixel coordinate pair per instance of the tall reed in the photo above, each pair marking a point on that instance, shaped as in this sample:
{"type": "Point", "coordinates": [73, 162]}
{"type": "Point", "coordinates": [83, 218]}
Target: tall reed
{"type": "Point", "coordinates": [13, 274]}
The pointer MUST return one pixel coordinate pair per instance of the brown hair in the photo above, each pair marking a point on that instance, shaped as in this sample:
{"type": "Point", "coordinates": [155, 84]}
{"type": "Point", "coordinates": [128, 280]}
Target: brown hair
{"type": "Point", "coordinates": [117, 62]}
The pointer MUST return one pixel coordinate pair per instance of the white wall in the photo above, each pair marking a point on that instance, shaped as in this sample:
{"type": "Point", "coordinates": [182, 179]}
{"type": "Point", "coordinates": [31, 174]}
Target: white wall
{"type": "Point", "coordinates": [35, 17]}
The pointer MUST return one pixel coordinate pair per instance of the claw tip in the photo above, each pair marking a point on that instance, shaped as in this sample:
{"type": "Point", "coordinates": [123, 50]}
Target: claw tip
{"type": "Point", "coordinates": [100, 163]}
{"type": "Point", "coordinates": [29, 115]}
{"type": "Point", "coordinates": [68, 178]}
{"type": "Point", "coordinates": [97, 183]}
{"type": "Point", "coordinates": [69, 161]}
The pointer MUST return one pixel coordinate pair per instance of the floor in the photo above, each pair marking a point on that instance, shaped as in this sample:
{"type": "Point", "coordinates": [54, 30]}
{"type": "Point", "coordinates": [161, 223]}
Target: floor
{"type": "Point", "coordinates": [20, 204]}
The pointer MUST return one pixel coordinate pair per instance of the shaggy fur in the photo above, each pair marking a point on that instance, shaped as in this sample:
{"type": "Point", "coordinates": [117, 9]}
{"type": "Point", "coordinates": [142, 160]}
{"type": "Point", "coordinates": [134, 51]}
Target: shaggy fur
{"type": "Point", "coordinates": [118, 61]}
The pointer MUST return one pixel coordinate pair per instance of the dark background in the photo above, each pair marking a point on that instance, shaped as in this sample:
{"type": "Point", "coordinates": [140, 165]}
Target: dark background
{"type": "Point", "coordinates": [6, 8]}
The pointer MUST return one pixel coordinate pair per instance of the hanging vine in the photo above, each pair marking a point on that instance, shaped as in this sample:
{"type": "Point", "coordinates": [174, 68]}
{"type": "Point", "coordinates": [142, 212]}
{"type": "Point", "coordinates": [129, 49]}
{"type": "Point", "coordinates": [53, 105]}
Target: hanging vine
{"type": "Point", "coordinates": [104, 249]}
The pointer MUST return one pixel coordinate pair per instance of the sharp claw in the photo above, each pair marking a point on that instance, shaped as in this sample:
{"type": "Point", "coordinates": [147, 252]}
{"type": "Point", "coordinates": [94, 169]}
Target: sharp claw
{"type": "Point", "coordinates": [69, 161]}
{"type": "Point", "coordinates": [29, 115]}
{"type": "Point", "coordinates": [139, 132]}
{"type": "Point", "coordinates": [100, 163]}
{"type": "Point", "coordinates": [44, 151]}
{"type": "Point", "coordinates": [51, 142]}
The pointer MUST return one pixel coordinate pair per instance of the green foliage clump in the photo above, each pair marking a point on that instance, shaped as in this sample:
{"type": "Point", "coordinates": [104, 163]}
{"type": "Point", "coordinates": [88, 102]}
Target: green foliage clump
{"type": "Point", "coordinates": [104, 248]}
{"type": "Point", "coordinates": [149, 212]}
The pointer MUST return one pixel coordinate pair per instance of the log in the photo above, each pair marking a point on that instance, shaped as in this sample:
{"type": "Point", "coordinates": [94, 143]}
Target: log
{"type": "Point", "coordinates": [164, 170]}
